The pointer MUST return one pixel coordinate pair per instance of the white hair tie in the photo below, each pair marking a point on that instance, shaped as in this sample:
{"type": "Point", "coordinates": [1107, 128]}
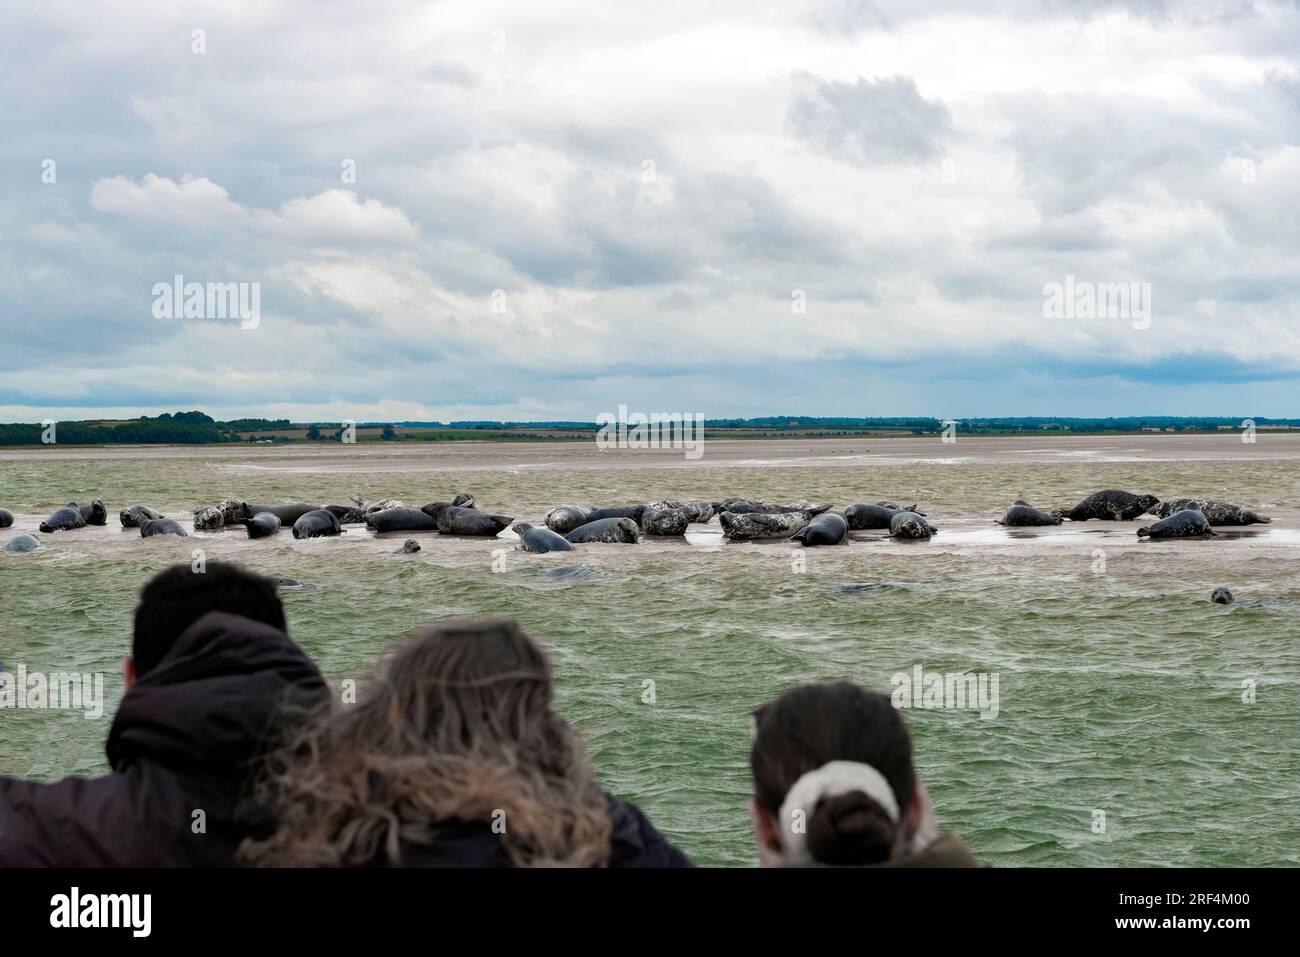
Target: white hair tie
{"type": "Point", "coordinates": [830, 780]}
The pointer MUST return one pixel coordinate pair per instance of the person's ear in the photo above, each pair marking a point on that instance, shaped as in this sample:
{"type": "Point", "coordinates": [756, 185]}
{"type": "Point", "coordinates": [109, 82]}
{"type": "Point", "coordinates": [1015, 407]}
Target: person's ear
{"type": "Point", "coordinates": [766, 829]}
{"type": "Point", "coordinates": [128, 673]}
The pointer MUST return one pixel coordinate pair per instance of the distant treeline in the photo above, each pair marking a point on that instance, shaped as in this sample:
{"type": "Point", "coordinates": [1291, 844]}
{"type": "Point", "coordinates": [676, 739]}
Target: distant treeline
{"type": "Point", "coordinates": [198, 428]}
{"type": "Point", "coordinates": [180, 428]}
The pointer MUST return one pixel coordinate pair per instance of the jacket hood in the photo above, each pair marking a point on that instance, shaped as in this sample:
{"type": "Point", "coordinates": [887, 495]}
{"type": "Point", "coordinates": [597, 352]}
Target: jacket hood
{"type": "Point", "coordinates": [208, 704]}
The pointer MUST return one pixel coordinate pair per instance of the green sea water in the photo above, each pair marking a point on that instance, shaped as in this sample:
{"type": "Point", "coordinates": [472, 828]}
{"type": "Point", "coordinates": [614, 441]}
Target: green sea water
{"type": "Point", "coordinates": [1122, 689]}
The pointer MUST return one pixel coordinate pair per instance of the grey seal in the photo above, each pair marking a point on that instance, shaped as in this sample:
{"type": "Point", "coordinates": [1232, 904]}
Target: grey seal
{"type": "Point", "coordinates": [534, 539]}
{"type": "Point", "coordinates": [701, 512]}
{"type": "Point", "coordinates": [458, 520]}
{"type": "Point", "coordinates": [743, 526]}
{"type": "Point", "coordinates": [22, 543]}
{"type": "Point", "coordinates": [409, 547]}
{"type": "Point", "coordinates": [829, 528]}
{"type": "Point", "coordinates": [262, 525]}
{"type": "Point", "coordinates": [665, 521]}
{"type": "Point", "coordinates": [1216, 513]}
{"type": "Point", "coordinates": [401, 519]}
{"type": "Point", "coordinates": [287, 514]}
{"type": "Point", "coordinates": [1022, 515]}
{"type": "Point", "coordinates": [1182, 524]}
{"type": "Point", "coordinates": [869, 516]}
{"type": "Point", "coordinates": [565, 518]}
{"type": "Point", "coordinates": [910, 525]}
{"type": "Point", "coordinates": [1113, 505]}
{"type": "Point", "coordinates": [315, 524]}
{"type": "Point", "coordinates": [1221, 596]}
{"type": "Point", "coordinates": [95, 513]}
{"type": "Point", "coordinates": [133, 515]}
{"type": "Point", "coordinates": [208, 518]}
{"type": "Point", "coordinates": [6, 518]}
{"type": "Point", "coordinates": [160, 526]}
{"type": "Point", "coordinates": [614, 531]}
{"type": "Point", "coordinates": [634, 512]}
{"type": "Point", "coordinates": [742, 506]}
{"type": "Point", "coordinates": [64, 519]}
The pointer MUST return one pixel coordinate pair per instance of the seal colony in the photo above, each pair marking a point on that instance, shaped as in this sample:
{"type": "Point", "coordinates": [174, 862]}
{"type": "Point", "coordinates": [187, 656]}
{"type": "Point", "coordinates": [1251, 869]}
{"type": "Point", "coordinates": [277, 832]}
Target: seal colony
{"type": "Point", "coordinates": [741, 519]}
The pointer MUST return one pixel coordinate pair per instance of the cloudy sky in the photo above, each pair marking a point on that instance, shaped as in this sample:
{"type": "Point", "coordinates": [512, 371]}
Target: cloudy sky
{"type": "Point", "coordinates": [833, 207]}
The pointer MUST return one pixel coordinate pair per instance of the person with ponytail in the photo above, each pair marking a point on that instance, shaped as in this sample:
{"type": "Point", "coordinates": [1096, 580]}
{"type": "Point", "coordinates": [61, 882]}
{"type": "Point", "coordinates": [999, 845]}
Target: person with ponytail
{"type": "Point", "coordinates": [834, 784]}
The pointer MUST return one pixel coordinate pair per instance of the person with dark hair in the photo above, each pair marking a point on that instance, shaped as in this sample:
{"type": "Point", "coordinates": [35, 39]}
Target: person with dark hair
{"type": "Point", "coordinates": [834, 784]}
{"type": "Point", "coordinates": [211, 669]}
{"type": "Point", "coordinates": [454, 757]}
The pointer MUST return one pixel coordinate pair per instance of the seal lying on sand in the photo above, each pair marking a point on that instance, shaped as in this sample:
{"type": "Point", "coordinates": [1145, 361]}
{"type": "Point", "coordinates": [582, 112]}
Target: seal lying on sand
{"type": "Point", "coordinates": [1183, 524]}
{"type": "Point", "coordinates": [634, 512]}
{"type": "Point", "coordinates": [1216, 513]}
{"type": "Point", "coordinates": [22, 543]}
{"type": "Point", "coordinates": [262, 525]}
{"type": "Point", "coordinates": [378, 506]}
{"type": "Point", "coordinates": [879, 515]}
{"type": "Point", "coordinates": [160, 526]}
{"type": "Point", "coordinates": [534, 539]}
{"type": "Point", "coordinates": [6, 518]}
{"type": "Point", "coordinates": [64, 519]}
{"type": "Point", "coordinates": [287, 514]}
{"type": "Point", "coordinates": [208, 518]}
{"type": "Point", "coordinates": [458, 520]}
{"type": "Point", "coordinates": [401, 519]}
{"type": "Point", "coordinates": [565, 518]}
{"type": "Point", "coordinates": [743, 506]}
{"type": "Point", "coordinates": [910, 525]}
{"type": "Point", "coordinates": [133, 515]}
{"type": "Point", "coordinates": [316, 524]}
{"type": "Point", "coordinates": [665, 521]}
{"type": "Point", "coordinates": [828, 528]}
{"type": "Point", "coordinates": [1221, 596]}
{"type": "Point", "coordinates": [1113, 505]}
{"type": "Point", "coordinates": [95, 513]}
{"type": "Point", "coordinates": [696, 511]}
{"type": "Point", "coordinates": [1022, 514]}
{"type": "Point", "coordinates": [614, 531]}
{"type": "Point", "coordinates": [743, 526]}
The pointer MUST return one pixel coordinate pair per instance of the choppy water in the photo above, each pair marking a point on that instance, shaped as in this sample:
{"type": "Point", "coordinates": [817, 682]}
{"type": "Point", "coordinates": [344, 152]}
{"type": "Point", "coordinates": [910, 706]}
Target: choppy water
{"type": "Point", "coordinates": [1120, 690]}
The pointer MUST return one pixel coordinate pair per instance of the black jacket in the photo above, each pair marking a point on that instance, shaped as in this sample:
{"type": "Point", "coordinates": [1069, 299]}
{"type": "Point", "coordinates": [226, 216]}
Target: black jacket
{"type": "Point", "coordinates": [182, 742]}
{"type": "Point", "coordinates": [634, 842]}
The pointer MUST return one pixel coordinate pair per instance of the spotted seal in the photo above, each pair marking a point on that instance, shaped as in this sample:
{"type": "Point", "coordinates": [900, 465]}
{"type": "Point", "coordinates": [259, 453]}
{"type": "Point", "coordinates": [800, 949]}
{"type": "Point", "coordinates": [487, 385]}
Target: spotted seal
{"type": "Point", "coordinates": [744, 526]}
{"type": "Point", "coordinates": [133, 515]}
{"type": "Point", "coordinates": [1112, 505]}
{"type": "Point", "coordinates": [910, 525]}
{"type": "Point", "coordinates": [1184, 523]}
{"type": "Point", "coordinates": [1216, 513]}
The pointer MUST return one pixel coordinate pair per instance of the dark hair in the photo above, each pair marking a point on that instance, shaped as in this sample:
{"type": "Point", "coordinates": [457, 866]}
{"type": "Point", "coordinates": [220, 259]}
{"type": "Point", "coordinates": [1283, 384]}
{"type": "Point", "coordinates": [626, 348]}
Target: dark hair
{"type": "Point", "coordinates": [457, 725]}
{"type": "Point", "coordinates": [815, 724]}
{"type": "Point", "coordinates": [173, 600]}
